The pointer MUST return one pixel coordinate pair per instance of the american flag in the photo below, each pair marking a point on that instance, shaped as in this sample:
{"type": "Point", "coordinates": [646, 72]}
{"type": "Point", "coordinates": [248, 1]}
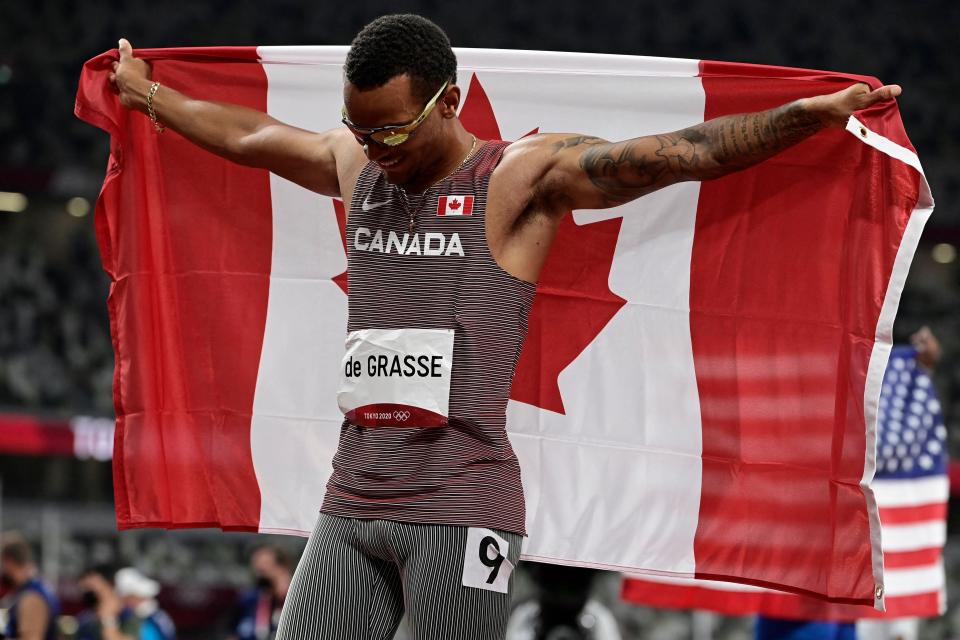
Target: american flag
{"type": "Point", "coordinates": [911, 487]}
{"type": "Point", "coordinates": [912, 437]}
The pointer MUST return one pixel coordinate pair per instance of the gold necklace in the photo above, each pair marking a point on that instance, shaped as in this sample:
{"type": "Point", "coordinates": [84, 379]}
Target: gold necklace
{"type": "Point", "coordinates": [405, 198]}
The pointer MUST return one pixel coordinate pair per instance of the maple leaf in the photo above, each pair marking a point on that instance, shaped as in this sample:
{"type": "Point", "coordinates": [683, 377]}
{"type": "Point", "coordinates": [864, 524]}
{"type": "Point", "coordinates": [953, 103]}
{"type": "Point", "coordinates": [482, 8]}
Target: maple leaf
{"type": "Point", "coordinates": [341, 214]}
{"type": "Point", "coordinates": [573, 302]}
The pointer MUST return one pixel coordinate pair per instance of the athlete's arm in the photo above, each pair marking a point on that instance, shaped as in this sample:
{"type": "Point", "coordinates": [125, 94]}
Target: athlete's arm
{"type": "Point", "coordinates": [33, 616]}
{"type": "Point", "coordinates": [241, 134]}
{"type": "Point", "coordinates": [582, 172]}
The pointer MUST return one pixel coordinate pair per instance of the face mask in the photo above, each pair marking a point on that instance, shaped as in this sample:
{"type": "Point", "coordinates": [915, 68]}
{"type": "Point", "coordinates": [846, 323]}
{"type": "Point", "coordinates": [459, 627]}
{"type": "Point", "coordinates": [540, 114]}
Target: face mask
{"type": "Point", "coordinates": [89, 600]}
{"type": "Point", "coordinates": [263, 582]}
{"type": "Point", "coordinates": [145, 609]}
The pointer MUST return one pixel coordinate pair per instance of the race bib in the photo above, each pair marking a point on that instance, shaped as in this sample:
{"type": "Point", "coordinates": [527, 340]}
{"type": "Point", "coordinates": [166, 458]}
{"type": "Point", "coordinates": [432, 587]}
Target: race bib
{"type": "Point", "coordinates": [485, 562]}
{"type": "Point", "coordinates": [397, 377]}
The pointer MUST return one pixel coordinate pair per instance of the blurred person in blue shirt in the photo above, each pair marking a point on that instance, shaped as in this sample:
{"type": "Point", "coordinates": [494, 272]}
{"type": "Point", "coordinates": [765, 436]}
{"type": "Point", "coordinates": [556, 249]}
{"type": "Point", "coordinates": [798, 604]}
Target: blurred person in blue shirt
{"type": "Point", "coordinates": [777, 629]}
{"type": "Point", "coordinates": [33, 605]}
{"type": "Point", "coordinates": [138, 592]}
{"type": "Point", "coordinates": [104, 617]}
{"type": "Point", "coordinates": [258, 611]}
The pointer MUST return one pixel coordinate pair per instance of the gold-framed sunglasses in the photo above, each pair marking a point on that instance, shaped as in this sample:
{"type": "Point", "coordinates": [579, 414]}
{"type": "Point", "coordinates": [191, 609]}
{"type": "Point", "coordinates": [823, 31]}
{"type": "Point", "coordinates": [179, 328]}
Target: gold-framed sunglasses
{"type": "Point", "coordinates": [391, 135]}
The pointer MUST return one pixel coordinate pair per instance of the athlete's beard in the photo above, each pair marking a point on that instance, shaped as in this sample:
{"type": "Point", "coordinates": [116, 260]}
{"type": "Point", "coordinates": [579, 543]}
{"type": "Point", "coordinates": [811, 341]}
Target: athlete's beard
{"type": "Point", "coordinates": [436, 169]}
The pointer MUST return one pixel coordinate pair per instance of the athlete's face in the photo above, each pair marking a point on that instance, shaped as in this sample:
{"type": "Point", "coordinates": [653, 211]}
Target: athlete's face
{"type": "Point", "coordinates": [396, 103]}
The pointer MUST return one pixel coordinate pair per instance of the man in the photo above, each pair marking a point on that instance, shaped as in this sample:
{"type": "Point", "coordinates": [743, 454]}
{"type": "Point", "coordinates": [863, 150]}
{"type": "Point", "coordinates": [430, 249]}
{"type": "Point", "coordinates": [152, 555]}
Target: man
{"type": "Point", "coordinates": [104, 616]}
{"type": "Point", "coordinates": [34, 609]}
{"type": "Point", "coordinates": [424, 510]}
{"type": "Point", "coordinates": [258, 612]}
{"type": "Point", "coordinates": [138, 594]}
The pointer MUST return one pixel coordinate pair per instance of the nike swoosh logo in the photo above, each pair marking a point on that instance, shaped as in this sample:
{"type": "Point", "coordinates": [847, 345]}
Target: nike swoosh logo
{"type": "Point", "coordinates": [366, 206]}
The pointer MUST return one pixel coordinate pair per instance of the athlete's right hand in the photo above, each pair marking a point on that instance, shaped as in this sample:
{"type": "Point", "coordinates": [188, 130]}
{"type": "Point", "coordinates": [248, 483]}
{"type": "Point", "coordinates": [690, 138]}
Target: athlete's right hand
{"type": "Point", "coordinates": [128, 76]}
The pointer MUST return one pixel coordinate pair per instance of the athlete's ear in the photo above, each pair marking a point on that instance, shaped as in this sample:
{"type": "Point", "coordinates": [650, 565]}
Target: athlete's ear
{"type": "Point", "coordinates": [449, 102]}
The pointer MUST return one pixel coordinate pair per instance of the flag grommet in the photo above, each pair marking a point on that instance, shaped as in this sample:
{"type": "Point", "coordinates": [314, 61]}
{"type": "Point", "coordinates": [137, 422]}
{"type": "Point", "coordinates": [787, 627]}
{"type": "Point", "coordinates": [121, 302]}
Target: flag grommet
{"type": "Point", "coordinates": [879, 591]}
{"type": "Point", "coordinates": [863, 132]}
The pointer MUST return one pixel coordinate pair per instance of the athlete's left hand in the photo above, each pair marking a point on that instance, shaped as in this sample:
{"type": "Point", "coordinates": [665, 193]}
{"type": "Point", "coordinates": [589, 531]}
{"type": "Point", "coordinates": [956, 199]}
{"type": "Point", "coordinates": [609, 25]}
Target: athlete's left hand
{"type": "Point", "coordinates": [834, 109]}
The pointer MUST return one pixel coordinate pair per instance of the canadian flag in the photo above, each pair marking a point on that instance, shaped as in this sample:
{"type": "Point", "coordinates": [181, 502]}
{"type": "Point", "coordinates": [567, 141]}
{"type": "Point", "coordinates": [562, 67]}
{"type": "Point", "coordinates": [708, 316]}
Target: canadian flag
{"type": "Point", "coordinates": [455, 206]}
{"type": "Point", "coordinates": [697, 395]}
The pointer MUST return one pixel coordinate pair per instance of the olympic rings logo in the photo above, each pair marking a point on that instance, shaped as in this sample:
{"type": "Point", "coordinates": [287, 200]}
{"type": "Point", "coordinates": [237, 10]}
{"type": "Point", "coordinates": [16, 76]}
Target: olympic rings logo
{"type": "Point", "coordinates": [401, 416]}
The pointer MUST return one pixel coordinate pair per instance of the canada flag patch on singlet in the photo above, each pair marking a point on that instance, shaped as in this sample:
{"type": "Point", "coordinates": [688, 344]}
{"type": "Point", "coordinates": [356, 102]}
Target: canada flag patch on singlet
{"type": "Point", "coordinates": [397, 377]}
{"type": "Point", "coordinates": [455, 206]}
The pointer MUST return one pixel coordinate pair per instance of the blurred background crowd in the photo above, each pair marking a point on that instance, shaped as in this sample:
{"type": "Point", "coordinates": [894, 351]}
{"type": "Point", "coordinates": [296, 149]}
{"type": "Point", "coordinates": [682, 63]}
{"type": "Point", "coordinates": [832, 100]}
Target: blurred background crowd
{"type": "Point", "coordinates": [56, 359]}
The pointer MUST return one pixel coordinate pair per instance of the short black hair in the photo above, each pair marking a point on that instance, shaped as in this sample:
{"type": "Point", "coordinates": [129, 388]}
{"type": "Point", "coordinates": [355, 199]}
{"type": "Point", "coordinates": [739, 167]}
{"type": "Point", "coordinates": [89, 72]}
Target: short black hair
{"type": "Point", "coordinates": [397, 44]}
{"type": "Point", "coordinates": [106, 571]}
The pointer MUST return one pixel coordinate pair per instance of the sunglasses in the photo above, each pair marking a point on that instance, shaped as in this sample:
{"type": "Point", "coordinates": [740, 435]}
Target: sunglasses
{"type": "Point", "coordinates": [391, 135]}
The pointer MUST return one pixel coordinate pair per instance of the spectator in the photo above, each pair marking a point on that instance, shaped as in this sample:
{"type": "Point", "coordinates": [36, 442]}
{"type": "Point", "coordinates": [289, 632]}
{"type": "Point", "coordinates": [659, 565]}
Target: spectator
{"type": "Point", "coordinates": [104, 617]}
{"type": "Point", "coordinates": [34, 607]}
{"type": "Point", "coordinates": [258, 612]}
{"type": "Point", "coordinates": [138, 592]}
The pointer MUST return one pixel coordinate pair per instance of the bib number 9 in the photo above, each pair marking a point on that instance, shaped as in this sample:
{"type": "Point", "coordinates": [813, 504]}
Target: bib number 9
{"type": "Point", "coordinates": [485, 562]}
{"type": "Point", "coordinates": [495, 562]}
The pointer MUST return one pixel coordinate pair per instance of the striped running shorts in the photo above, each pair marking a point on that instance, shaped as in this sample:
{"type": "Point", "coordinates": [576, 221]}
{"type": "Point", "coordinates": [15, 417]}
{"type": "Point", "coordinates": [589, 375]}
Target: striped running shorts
{"type": "Point", "coordinates": [357, 577]}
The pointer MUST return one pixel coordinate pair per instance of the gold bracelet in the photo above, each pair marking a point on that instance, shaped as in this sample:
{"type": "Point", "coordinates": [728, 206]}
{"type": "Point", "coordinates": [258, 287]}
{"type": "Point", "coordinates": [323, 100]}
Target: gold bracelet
{"type": "Point", "coordinates": [150, 111]}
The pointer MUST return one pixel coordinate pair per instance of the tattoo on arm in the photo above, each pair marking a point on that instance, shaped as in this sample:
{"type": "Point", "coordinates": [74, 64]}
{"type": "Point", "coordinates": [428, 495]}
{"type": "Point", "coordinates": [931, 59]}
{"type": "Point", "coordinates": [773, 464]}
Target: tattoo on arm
{"type": "Point", "coordinates": [576, 141]}
{"type": "Point", "coordinates": [752, 137]}
{"type": "Point", "coordinates": [622, 171]}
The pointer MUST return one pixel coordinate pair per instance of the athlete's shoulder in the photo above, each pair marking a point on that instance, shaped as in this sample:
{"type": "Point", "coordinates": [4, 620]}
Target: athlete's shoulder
{"type": "Point", "coordinates": [531, 145]}
{"type": "Point", "coordinates": [538, 152]}
{"type": "Point", "coordinates": [349, 155]}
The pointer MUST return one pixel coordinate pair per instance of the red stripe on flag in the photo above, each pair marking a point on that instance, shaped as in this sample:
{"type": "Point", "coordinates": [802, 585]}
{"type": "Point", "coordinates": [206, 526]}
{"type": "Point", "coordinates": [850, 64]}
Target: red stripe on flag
{"type": "Point", "coordinates": [911, 559]}
{"type": "Point", "coordinates": [771, 603]}
{"type": "Point", "coordinates": [772, 278]}
{"type": "Point", "coordinates": [923, 605]}
{"type": "Point", "coordinates": [684, 596]}
{"type": "Point", "coordinates": [186, 237]}
{"type": "Point", "coordinates": [913, 514]}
